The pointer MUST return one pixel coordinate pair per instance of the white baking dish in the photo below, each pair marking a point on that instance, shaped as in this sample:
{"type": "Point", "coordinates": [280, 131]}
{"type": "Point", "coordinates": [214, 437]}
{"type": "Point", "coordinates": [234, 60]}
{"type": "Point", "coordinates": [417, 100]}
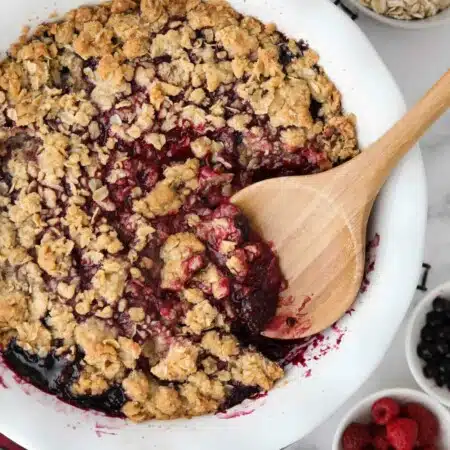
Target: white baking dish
{"type": "Point", "coordinates": [308, 395]}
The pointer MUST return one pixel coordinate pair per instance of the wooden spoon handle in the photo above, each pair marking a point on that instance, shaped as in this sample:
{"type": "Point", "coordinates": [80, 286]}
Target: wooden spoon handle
{"type": "Point", "coordinates": [384, 154]}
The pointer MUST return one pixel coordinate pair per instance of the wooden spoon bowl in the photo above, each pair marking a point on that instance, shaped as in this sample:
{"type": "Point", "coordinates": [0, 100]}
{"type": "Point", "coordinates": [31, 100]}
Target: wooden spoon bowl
{"type": "Point", "coordinates": [318, 223]}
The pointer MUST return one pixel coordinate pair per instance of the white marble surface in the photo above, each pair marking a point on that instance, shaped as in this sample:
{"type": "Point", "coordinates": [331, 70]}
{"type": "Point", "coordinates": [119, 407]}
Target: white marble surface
{"type": "Point", "coordinates": [416, 59]}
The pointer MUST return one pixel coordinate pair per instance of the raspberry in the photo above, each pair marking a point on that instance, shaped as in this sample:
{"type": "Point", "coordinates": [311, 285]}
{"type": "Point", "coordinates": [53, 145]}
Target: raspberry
{"type": "Point", "coordinates": [380, 443]}
{"type": "Point", "coordinates": [402, 433]}
{"type": "Point", "coordinates": [356, 437]}
{"type": "Point", "coordinates": [377, 430]}
{"type": "Point", "coordinates": [384, 410]}
{"type": "Point", "coordinates": [426, 422]}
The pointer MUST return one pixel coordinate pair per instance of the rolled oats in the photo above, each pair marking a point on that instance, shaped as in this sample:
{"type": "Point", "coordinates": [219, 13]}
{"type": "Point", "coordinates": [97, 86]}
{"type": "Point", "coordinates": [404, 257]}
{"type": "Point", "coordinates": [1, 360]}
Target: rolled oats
{"type": "Point", "coordinates": [407, 9]}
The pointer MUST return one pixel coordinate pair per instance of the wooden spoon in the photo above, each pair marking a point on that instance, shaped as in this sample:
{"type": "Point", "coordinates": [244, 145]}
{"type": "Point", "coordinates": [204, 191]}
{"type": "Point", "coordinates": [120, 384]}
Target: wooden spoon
{"type": "Point", "coordinates": [318, 222]}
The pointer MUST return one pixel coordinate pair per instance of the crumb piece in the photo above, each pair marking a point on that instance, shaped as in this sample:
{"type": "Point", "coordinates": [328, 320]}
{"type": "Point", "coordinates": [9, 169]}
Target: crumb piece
{"type": "Point", "coordinates": [54, 256]}
{"type": "Point", "coordinates": [239, 122]}
{"type": "Point", "coordinates": [165, 403]}
{"type": "Point", "coordinates": [193, 295]}
{"type": "Point", "coordinates": [52, 157]}
{"type": "Point", "coordinates": [181, 254]}
{"type": "Point", "coordinates": [180, 362]}
{"type": "Point", "coordinates": [62, 323]}
{"type": "Point", "coordinates": [204, 146]}
{"type": "Point", "coordinates": [224, 347]}
{"type": "Point", "coordinates": [201, 394]}
{"type": "Point", "coordinates": [90, 382]}
{"type": "Point", "coordinates": [109, 281]}
{"type": "Point", "coordinates": [237, 41]}
{"type": "Point", "coordinates": [136, 314]}
{"type": "Point", "coordinates": [100, 347]}
{"type": "Point", "coordinates": [168, 195]}
{"type": "Point", "coordinates": [137, 386]}
{"type": "Point", "coordinates": [253, 369]}
{"type": "Point", "coordinates": [26, 206]}
{"type": "Point", "coordinates": [34, 338]}
{"type": "Point", "coordinates": [13, 307]}
{"type": "Point", "coordinates": [201, 317]}
{"type": "Point", "coordinates": [211, 280]}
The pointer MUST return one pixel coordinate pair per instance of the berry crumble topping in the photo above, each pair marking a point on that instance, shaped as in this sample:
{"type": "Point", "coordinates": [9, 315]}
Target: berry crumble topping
{"type": "Point", "coordinates": [128, 282]}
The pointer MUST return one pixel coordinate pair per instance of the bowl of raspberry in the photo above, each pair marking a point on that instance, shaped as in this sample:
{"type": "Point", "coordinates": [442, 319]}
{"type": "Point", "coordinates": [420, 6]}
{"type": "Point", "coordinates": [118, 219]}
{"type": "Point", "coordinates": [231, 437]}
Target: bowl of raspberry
{"type": "Point", "coordinates": [428, 343]}
{"type": "Point", "coordinates": [395, 419]}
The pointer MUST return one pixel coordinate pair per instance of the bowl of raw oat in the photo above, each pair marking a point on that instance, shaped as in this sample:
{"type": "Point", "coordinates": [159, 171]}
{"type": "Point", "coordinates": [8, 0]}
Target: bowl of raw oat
{"type": "Point", "coordinates": [412, 14]}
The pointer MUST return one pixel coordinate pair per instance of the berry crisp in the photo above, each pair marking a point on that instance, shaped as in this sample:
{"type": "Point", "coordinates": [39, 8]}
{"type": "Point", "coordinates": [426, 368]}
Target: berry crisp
{"type": "Point", "coordinates": [128, 281]}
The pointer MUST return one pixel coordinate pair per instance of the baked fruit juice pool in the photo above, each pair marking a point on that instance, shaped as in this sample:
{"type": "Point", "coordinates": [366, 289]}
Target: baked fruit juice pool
{"type": "Point", "coordinates": [129, 283]}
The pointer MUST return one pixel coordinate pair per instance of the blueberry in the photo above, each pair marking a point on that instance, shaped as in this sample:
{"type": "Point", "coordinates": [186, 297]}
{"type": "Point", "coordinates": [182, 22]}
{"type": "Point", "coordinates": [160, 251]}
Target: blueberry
{"type": "Point", "coordinates": [425, 351]}
{"type": "Point", "coordinates": [430, 371]}
{"type": "Point", "coordinates": [115, 398]}
{"type": "Point", "coordinates": [440, 380]}
{"type": "Point", "coordinates": [441, 304]}
{"type": "Point", "coordinates": [442, 347]}
{"type": "Point", "coordinates": [428, 334]}
{"type": "Point", "coordinates": [435, 319]}
{"type": "Point", "coordinates": [445, 365]}
{"type": "Point", "coordinates": [285, 55]}
{"type": "Point", "coordinates": [444, 333]}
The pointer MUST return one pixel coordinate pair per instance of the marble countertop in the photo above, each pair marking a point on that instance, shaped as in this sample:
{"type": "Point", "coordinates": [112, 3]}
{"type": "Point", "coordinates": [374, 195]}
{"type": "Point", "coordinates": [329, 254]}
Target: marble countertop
{"type": "Point", "coordinates": [416, 58]}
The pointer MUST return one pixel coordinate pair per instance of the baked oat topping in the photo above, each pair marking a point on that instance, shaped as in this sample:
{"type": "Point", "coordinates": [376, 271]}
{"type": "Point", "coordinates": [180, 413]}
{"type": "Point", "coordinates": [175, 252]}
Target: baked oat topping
{"type": "Point", "coordinates": [124, 270]}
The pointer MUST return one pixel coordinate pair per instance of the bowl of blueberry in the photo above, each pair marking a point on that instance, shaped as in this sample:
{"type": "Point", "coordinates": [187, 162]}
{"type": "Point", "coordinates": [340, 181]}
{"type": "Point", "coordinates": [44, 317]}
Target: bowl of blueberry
{"type": "Point", "coordinates": [428, 343]}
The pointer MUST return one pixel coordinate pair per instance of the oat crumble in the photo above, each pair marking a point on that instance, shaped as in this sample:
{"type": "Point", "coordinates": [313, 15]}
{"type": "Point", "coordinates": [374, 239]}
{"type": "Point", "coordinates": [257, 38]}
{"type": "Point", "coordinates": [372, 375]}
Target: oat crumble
{"type": "Point", "coordinates": [124, 130]}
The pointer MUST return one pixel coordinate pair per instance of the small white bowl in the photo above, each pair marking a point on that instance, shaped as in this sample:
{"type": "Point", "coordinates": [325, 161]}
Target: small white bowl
{"type": "Point", "coordinates": [361, 413]}
{"type": "Point", "coordinates": [415, 325]}
{"type": "Point", "coordinates": [440, 19]}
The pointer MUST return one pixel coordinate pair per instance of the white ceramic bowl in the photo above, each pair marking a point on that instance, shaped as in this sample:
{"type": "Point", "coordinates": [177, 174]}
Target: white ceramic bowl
{"type": "Point", "coordinates": [361, 413]}
{"type": "Point", "coordinates": [415, 325]}
{"type": "Point", "coordinates": [441, 19]}
{"type": "Point", "coordinates": [307, 395]}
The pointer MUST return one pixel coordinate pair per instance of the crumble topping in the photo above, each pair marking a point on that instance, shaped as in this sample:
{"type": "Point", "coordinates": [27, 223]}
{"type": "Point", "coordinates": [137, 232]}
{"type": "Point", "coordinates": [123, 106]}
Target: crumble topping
{"type": "Point", "coordinates": [125, 128]}
{"type": "Point", "coordinates": [181, 254]}
{"type": "Point", "coordinates": [90, 382]}
{"type": "Point", "coordinates": [180, 362]}
{"type": "Point", "coordinates": [253, 369]}
{"type": "Point", "coordinates": [53, 256]}
{"type": "Point", "coordinates": [224, 347]}
{"type": "Point", "coordinates": [13, 310]}
{"type": "Point", "coordinates": [109, 280]}
{"type": "Point", "coordinates": [201, 317]}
